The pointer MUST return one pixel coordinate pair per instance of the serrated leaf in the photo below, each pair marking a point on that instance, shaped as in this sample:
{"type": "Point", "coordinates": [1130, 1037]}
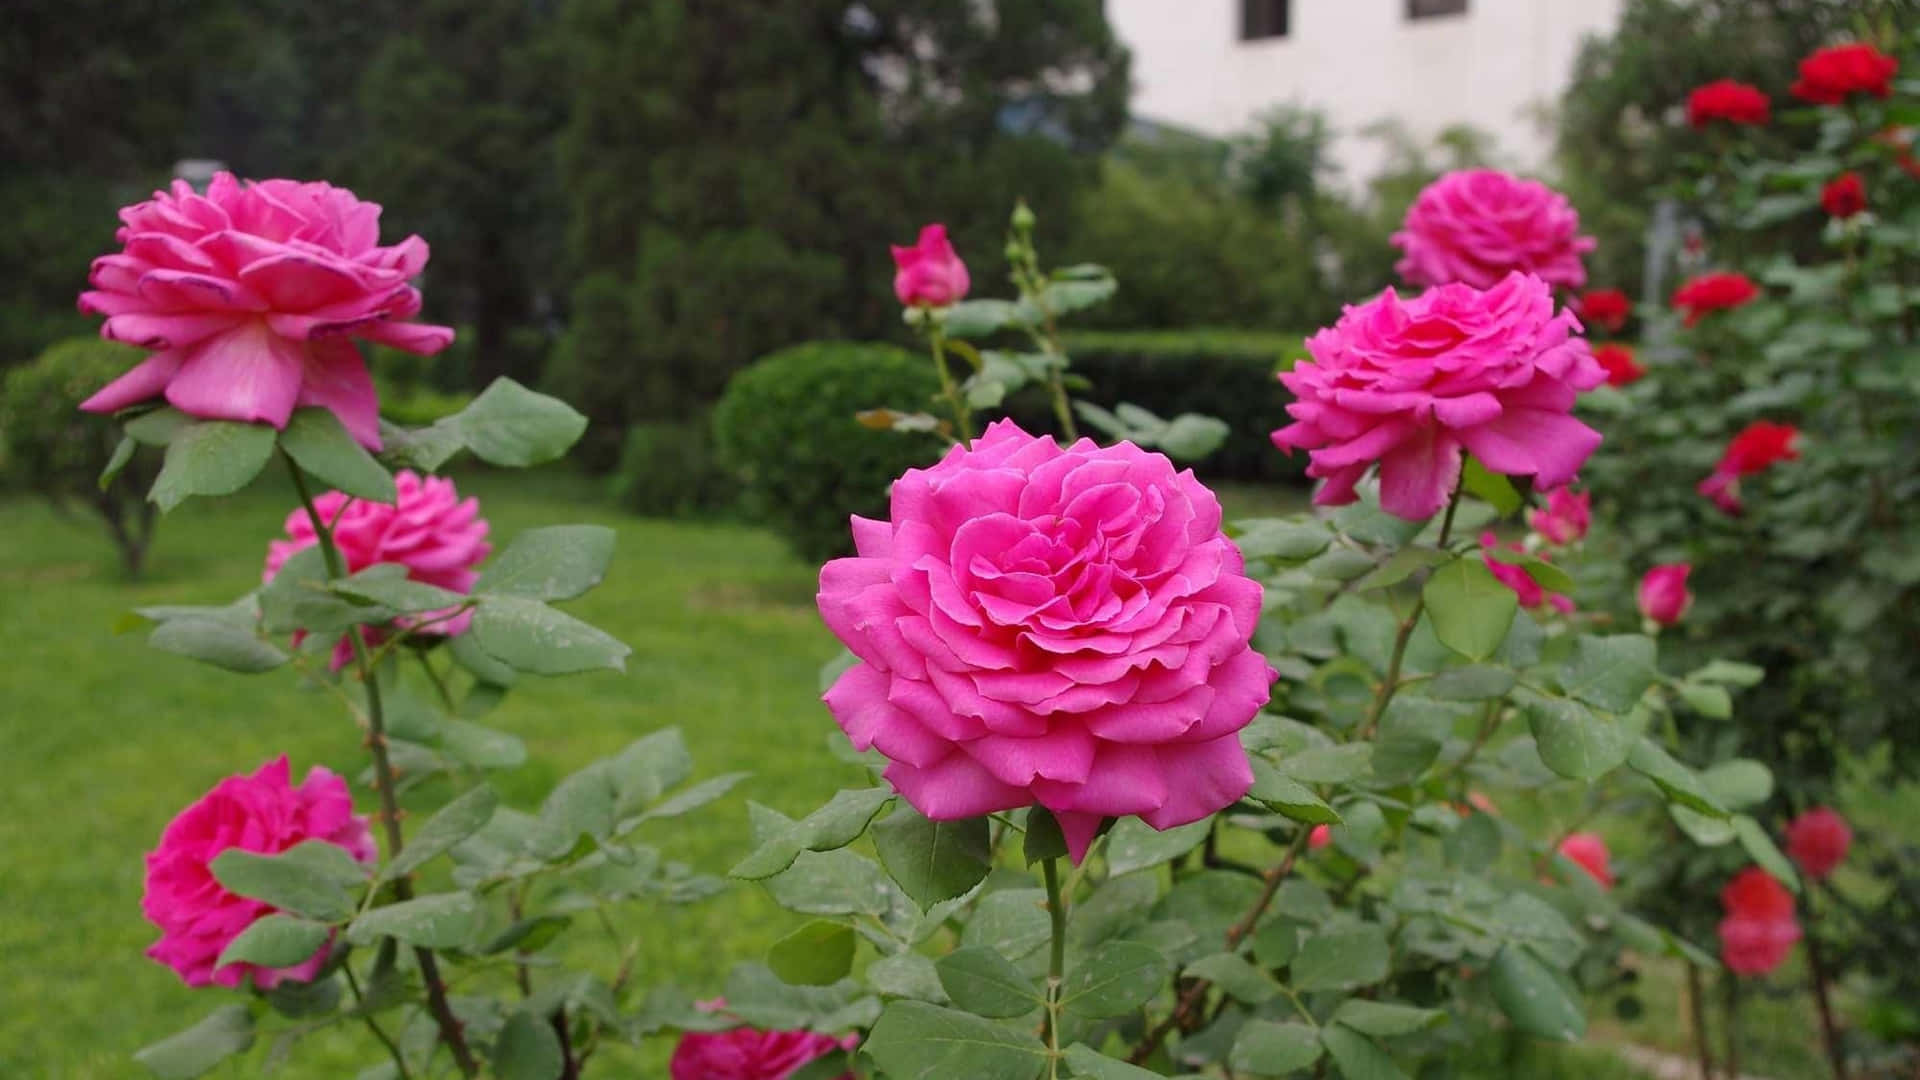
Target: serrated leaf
{"type": "Point", "coordinates": [392, 592]}
{"type": "Point", "coordinates": [1533, 997]}
{"type": "Point", "coordinates": [276, 941]}
{"type": "Point", "coordinates": [1359, 1057]}
{"type": "Point", "coordinates": [834, 825]}
{"type": "Point", "coordinates": [1400, 566]}
{"type": "Point", "coordinates": [695, 797]}
{"type": "Point", "coordinates": [817, 954]}
{"type": "Point", "coordinates": [1267, 1048]}
{"type": "Point", "coordinates": [1469, 608]}
{"type": "Point", "coordinates": [196, 1051]}
{"type": "Point", "coordinates": [1116, 978]}
{"type": "Point", "coordinates": [1707, 699]}
{"type": "Point", "coordinates": [1289, 796]}
{"type": "Point", "coordinates": [1134, 845]}
{"type": "Point", "coordinates": [907, 975]}
{"type": "Point", "coordinates": [452, 823]}
{"type": "Point", "coordinates": [1012, 922]}
{"type": "Point", "coordinates": [1475, 479]}
{"type": "Point", "coordinates": [559, 562]}
{"type": "Point", "coordinates": [984, 983]}
{"type": "Point", "coordinates": [218, 643]}
{"type": "Point", "coordinates": [1043, 839]}
{"type": "Point", "coordinates": [528, 1049]}
{"type": "Point", "coordinates": [318, 442]}
{"type": "Point", "coordinates": [530, 636]}
{"type": "Point", "coordinates": [122, 455]}
{"type": "Point", "coordinates": [309, 879]}
{"type": "Point", "coordinates": [981, 318]}
{"type": "Point", "coordinates": [917, 1041]}
{"type": "Point", "coordinates": [439, 921]}
{"type": "Point", "coordinates": [1739, 783]}
{"type": "Point", "coordinates": [1232, 973]}
{"type": "Point", "coordinates": [508, 424]}
{"type": "Point", "coordinates": [933, 860]}
{"type": "Point", "coordinates": [1680, 783]}
{"type": "Point", "coordinates": [1610, 672]}
{"type": "Point", "coordinates": [1730, 673]}
{"type": "Point", "coordinates": [1328, 765]}
{"type": "Point", "coordinates": [1287, 539]}
{"type": "Point", "coordinates": [211, 457]}
{"type": "Point", "coordinates": [1093, 1065]}
{"type": "Point", "coordinates": [1385, 1019]}
{"type": "Point", "coordinates": [1574, 741]}
{"type": "Point", "coordinates": [1340, 959]}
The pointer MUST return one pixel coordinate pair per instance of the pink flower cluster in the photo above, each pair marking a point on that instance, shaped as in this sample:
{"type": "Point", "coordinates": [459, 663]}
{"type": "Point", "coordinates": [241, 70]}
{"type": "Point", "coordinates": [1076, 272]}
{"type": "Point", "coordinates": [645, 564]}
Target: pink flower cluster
{"type": "Point", "coordinates": [264, 813]}
{"type": "Point", "coordinates": [251, 296]}
{"type": "Point", "coordinates": [1760, 928]}
{"type": "Point", "coordinates": [1411, 383]}
{"type": "Point", "coordinates": [1058, 625]}
{"type": "Point", "coordinates": [439, 537]}
{"type": "Point", "coordinates": [745, 1053]}
{"type": "Point", "coordinates": [1476, 226]}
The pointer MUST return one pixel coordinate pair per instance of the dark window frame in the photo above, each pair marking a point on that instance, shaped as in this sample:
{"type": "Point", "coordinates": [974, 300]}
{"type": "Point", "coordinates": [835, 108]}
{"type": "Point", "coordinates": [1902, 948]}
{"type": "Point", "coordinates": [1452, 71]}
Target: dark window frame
{"type": "Point", "coordinates": [1421, 10]}
{"type": "Point", "coordinates": [1266, 20]}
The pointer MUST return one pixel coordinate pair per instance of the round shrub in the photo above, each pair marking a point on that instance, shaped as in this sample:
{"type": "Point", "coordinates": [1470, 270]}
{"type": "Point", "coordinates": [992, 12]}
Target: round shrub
{"type": "Point", "coordinates": [51, 447]}
{"type": "Point", "coordinates": [669, 469]}
{"type": "Point", "coordinates": [786, 428]}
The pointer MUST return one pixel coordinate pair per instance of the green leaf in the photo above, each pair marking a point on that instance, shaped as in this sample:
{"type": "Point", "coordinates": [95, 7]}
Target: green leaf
{"type": "Point", "coordinates": [531, 636]}
{"type": "Point", "coordinates": [984, 983]}
{"type": "Point", "coordinates": [1013, 922]}
{"type": "Point", "coordinates": [218, 643]}
{"type": "Point", "coordinates": [439, 921]}
{"type": "Point", "coordinates": [695, 797]}
{"type": "Point", "coordinates": [1473, 845]}
{"type": "Point", "coordinates": [157, 427]}
{"type": "Point", "coordinates": [511, 425]}
{"type": "Point", "coordinates": [275, 941]}
{"type": "Point", "coordinates": [386, 586]}
{"type": "Point", "coordinates": [1469, 608]}
{"type": "Point", "coordinates": [1134, 845]}
{"type": "Point", "coordinates": [481, 747]}
{"type": "Point", "coordinates": [1233, 974]}
{"type": "Point", "coordinates": [907, 975]}
{"type": "Point", "coordinates": [597, 798]}
{"type": "Point", "coordinates": [1702, 829]}
{"type": "Point", "coordinates": [1610, 672]}
{"type": "Point", "coordinates": [1044, 840]}
{"type": "Point", "coordinates": [1090, 1063]}
{"type": "Point", "coordinates": [1730, 673]}
{"type": "Point", "coordinates": [974, 319]}
{"type": "Point", "coordinates": [1385, 1019]}
{"type": "Point", "coordinates": [225, 1032]}
{"type": "Point", "coordinates": [317, 442]}
{"type": "Point", "coordinates": [1290, 796]}
{"type": "Point", "coordinates": [122, 455]}
{"type": "Point", "coordinates": [1475, 479]}
{"type": "Point", "coordinates": [528, 1049]}
{"type": "Point", "coordinates": [1679, 783]}
{"type": "Point", "coordinates": [454, 822]}
{"type": "Point", "coordinates": [1534, 997]}
{"type": "Point", "coordinates": [1400, 566]}
{"type": "Point", "coordinates": [211, 457]}
{"type": "Point", "coordinates": [1765, 851]}
{"type": "Point", "coordinates": [555, 563]}
{"type": "Point", "coordinates": [1708, 699]}
{"type": "Point", "coordinates": [1544, 574]}
{"type": "Point", "coordinates": [1287, 539]}
{"type": "Point", "coordinates": [309, 879]}
{"type": "Point", "coordinates": [1739, 783]}
{"type": "Point", "coordinates": [1340, 959]}
{"type": "Point", "coordinates": [300, 598]}
{"type": "Point", "coordinates": [1476, 683]}
{"type": "Point", "coordinates": [1116, 978]}
{"type": "Point", "coordinates": [817, 954]}
{"type": "Point", "coordinates": [933, 860]}
{"type": "Point", "coordinates": [834, 825]}
{"type": "Point", "coordinates": [1267, 1048]}
{"type": "Point", "coordinates": [1328, 764]}
{"type": "Point", "coordinates": [468, 654]}
{"type": "Point", "coordinates": [1575, 742]}
{"type": "Point", "coordinates": [917, 1041]}
{"type": "Point", "coordinates": [1359, 1057]}
{"type": "Point", "coordinates": [425, 449]}
{"type": "Point", "coordinates": [1191, 436]}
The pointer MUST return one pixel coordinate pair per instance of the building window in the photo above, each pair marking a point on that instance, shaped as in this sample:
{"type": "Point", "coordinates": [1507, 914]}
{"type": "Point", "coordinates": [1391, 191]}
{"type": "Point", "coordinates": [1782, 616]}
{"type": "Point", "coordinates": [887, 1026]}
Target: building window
{"type": "Point", "coordinates": [1263, 19]}
{"type": "Point", "coordinates": [1427, 9]}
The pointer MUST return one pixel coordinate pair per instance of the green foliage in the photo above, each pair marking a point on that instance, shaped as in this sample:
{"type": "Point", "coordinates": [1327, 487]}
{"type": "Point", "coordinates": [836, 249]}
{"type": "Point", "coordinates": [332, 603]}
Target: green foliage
{"type": "Point", "coordinates": [49, 446]}
{"type": "Point", "coordinates": [669, 469]}
{"type": "Point", "coordinates": [787, 429]}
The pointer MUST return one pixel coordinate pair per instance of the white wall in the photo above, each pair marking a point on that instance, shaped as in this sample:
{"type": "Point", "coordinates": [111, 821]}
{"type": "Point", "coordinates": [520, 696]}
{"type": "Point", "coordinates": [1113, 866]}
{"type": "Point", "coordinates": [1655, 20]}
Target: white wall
{"type": "Point", "coordinates": [1494, 67]}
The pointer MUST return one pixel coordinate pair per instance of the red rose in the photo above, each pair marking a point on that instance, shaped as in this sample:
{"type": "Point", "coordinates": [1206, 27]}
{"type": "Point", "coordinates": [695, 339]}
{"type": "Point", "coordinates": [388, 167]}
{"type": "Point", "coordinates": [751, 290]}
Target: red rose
{"type": "Point", "coordinates": [1718, 291]}
{"type": "Point", "coordinates": [1844, 195]}
{"type": "Point", "coordinates": [1760, 928]}
{"type": "Point", "coordinates": [1605, 308]}
{"type": "Point", "coordinates": [1622, 370]}
{"type": "Point", "coordinates": [1818, 840]}
{"type": "Point", "coordinates": [1759, 445]}
{"type": "Point", "coordinates": [1830, 76]}
{"type": "Point", "coordinates": [1734, 102]}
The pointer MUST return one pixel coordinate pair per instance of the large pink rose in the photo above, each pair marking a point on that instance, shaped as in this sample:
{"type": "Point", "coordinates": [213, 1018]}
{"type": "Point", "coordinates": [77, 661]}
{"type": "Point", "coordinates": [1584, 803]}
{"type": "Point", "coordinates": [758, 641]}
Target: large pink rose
{"type": "Point", "coordinates": [1476, 226]}
{"type": "Point", "coordinates": [261, 813]}
{"type": "Point", "coordinates": [429, 529]}
{"type": "Point", "coordinates": [1060, 626]}
{"type": "Point", "coordinates": [251, 296]}
{"type": "Point", "coordinates": [751, 1054]}
{"type": "Point", "coordinates": [1408, 383]}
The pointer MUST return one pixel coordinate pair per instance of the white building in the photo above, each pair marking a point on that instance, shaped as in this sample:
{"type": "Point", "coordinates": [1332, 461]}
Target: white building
{"type": "Point", "coordinates": [1499, 65]}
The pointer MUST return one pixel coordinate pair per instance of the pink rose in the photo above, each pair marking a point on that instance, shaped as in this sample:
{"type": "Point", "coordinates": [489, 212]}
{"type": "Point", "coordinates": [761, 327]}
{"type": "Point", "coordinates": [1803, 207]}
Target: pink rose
{"type": "Point", "coordinates": [429, 529]}
{"type": "Point", "coordinates": [1663, 595]}
{"type": "Point", "coordinates": [930, 273]}
{"type": "Point", "coordinates": [1515, 577]}
{"type": "Point", "coordinates": [261, 813]}
{"type": "Point", "coordinates": [1760, 929]}
{"type": "Point", "coordinates": [1060, 626]}
{"type": "Point", "coordinates": [1818, 840]}
{"type": "Point", "coordinates": [1589, 852]}
{"type": "Point", "coordinates": [1566, 518]}
{"type": "Point", "coordinates": [751, 1054]}
{"type": "Point", "coordinates": [1476, 226]}
{"type": "Point", "coordinates": [250, 297]}
{"type": "Point", "coordinates": [1408, 383]}
{"type": "Point", "coordinates": [1320, 836]}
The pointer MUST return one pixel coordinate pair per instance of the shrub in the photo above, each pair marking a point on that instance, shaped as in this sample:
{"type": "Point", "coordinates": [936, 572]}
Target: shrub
{"type": "Point", "coordinates": [1223, 373]}
{"type": "Point", "coordinates": [786, 428]}
{"type": "Point", "coordinates": [669, 469]}
{"type": "Point", "coordinates": [54, 448]}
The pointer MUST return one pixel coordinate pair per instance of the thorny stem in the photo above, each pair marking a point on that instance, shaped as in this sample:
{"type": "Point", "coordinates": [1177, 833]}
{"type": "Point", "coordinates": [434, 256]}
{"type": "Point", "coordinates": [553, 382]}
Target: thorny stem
{"type": "Point", "coordinates": [385, 784]}
{"type": "Point", "coordinates": [393, 1048]}
{"type": "Point", "coordinates": [1056, 961]}
{"type": "Point", "coordinates": [1384, 695]}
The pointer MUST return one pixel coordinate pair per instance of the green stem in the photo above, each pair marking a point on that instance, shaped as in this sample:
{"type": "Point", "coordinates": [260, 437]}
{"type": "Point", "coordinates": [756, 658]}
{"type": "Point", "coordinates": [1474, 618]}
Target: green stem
{"type": "Point", "coordinates": [1056, 962]}
{"type": "Point", "coordinates": [439, 684]}
{"type": "Point", "coordinates": [393, 1048]}
{"type": "Point", "coordinates": [385, 782]}
{"type": "Point", "coordinates": [962, 420]}
{"type": "Point", "coordinates": [1388, 686]}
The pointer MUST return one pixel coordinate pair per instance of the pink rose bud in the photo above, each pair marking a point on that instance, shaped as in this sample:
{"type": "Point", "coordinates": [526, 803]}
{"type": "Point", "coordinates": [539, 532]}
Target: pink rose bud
{"type": "Point", "coordinates": [1319, 837]}
{"type": "Point", "coordinates": [262, 813]}
{"type": "Point", "coordinates": [1663, 595]}
{"type": "Point", "coordinates": [751, 1054]}
{"type": "Point", "coordinates": [930, 273]}
{"type": "Point", "coordinates": [1410, 384]}
{"type": "Point", "coordinates": [1566, 518]}
{"type": "Point", "coordinates": [1066, 626]}
{"type": "Point", "coordinates": [1818, 841]}
{"type": "Point", "coordinates": [251, 296]}
{"type": "Point", "coordinates": [1531, 593]}
{"type": "Point", "coordinates": [1589, 852]}
{"type": "Point", "coordinates": [1476, 226]}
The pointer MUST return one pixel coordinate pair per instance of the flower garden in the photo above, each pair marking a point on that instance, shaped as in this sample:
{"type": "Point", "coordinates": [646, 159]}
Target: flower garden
{"type": "Point", "coordinates": [1558, 728]}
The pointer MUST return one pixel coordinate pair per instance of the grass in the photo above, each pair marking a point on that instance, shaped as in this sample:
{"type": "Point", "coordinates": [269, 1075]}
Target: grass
{"type": "Point", "coordinates": [108, 738]}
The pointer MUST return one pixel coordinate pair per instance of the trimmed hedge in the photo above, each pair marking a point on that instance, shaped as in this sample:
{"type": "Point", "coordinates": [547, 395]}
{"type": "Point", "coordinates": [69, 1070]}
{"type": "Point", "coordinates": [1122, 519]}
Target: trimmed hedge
{"type": "Point", "coordinates": [1225, 373]}
{"type": "Point", "coordinates": [669, 469]}
{"type": "Point", "coordinates": [786, 428]}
